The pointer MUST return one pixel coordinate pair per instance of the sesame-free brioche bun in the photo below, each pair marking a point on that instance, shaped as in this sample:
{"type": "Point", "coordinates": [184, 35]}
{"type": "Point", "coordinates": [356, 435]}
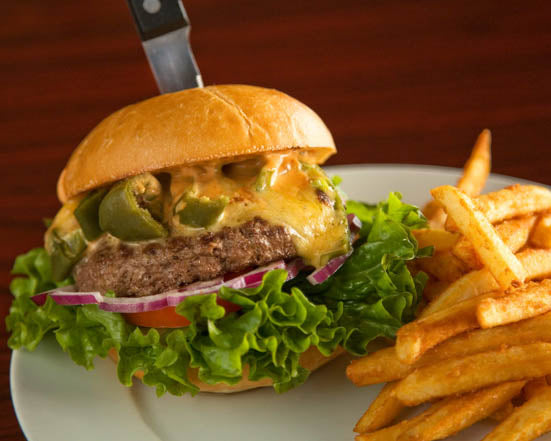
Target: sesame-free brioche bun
{"type": "Point", "coordinates": [192, 126]}
{"type": "Point", "coordinates": [311, 360]}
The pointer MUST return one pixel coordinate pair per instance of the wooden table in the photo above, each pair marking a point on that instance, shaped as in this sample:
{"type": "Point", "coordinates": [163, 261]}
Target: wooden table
{"type": "Point", "coordinates": [395, 80]}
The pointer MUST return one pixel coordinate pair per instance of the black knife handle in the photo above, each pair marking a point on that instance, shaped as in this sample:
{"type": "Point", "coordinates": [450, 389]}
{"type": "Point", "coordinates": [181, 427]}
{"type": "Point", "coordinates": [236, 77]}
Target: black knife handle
{"type": "Point", "coordinates": [158, 17]}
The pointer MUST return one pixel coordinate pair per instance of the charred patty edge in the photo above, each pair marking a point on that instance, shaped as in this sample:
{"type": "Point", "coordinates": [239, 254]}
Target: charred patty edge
{"type": "Point", "coordinates": [141, 269]}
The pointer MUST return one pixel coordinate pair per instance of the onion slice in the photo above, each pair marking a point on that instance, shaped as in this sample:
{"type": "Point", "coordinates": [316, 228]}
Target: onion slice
{"type": "Point", "coordinates": [354, 223]}
{"type": "Point", "coordinates": [67, 296]}
{"type": "Point", "coordinates": [322, 274]}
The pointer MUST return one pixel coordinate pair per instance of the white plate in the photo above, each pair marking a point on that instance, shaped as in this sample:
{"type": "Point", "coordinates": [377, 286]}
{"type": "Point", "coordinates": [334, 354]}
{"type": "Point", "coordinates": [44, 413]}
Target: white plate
{"type": "Point", "coordinates": [55, 399]}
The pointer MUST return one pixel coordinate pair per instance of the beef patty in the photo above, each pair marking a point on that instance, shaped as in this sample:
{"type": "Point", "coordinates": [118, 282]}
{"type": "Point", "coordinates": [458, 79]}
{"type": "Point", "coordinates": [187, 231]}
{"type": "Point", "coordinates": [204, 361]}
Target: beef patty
{"type": "Point", "coordinates": [150, 268]}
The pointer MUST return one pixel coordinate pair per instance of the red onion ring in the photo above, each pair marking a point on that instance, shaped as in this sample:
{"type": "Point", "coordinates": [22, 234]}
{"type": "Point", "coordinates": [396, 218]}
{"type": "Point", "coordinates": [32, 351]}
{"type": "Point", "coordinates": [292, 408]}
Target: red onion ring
{"type": "Point", "coordinates": [66, 295]}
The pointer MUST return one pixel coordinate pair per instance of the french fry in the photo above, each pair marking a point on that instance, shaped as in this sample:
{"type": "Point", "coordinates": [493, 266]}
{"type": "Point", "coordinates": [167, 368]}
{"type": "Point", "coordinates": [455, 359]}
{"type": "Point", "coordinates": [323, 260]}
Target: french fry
{"type": "Point", "coordinates": [541, 236]}
{"type": "Point", "coordinates": [473, 180]}
{"type": "Point", "coordinates": [513, 232]}
{"type": "Point", "coordinates": [465, 252]}
{"type": "Point", "coordinates": [537, 263]}
{"type": "Point", "coordinates": [503, 412]}
{"type": "Point", "coordinates": [384, 364]}
{"type": "Point", "coordinates": [393, 433]}
{"type": "Point", "coordinates": [377, 367]}
{"type": "Point", "coordinates": [533, 387]}
{"type": "Point", "coordinates": [483, 344]}
{"type": "Point", "coordinates": [514, 201]}
{"type": "Point", "coordinates": [417, 337]}
{"type": "Point", "coordinates": [527, 422]}
{"type": "Point", "coordinates": [501, 262]}
{"type": "Point", "coordinates": [516, 232]}
{"type": "Point", "coordinates": [468, 286]}
{"type": "Point", "coordinates": [443, 265]}
{"type": "Point", "coordinates": [537, 329]}
{"type": "Point", "coordinates": [477, 168]}
{"type": "Point", "coordinates": [529, 300]}
{"type": "Point", "coordinates": [460, 412]}
{"type": "Point", "coordinates": [441, 240]}
{"type": "Point", "coordinates": [383, 410]}
{"type": "Point", "coordinates": [449, 416]}
{"type": "Point", "coordinates": [435, 215]}
{"type": "Point", "coordinates": [460, 375]}
{"type": "Point", "coordinates": [434, 288]}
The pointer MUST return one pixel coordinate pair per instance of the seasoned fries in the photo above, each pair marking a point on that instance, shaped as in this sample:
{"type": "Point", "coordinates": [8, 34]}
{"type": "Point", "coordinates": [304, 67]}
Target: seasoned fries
{"type": "Point", "coordinates": [501, 262]}
{"type": "Point", "coordinates": [541, 236]}
{"type": "Point", "coordinates": [378, 367]}
{"type": "Point", "coordinates": [449, 416]}
{"type": "Point", "coordinates": [435, 215]}
{"type": "Point", "coordinates": [516, 232]}
{"type": "Point", "coordinates": [537, 263]}
{"type": "Point", "coordinates": [482, 345]}
{"type": "Point", "coordinates": [444, 266]}
{"type": "Point", "coordinates": [527, 301]}
{"type": "Point", "coordinates": [477, 168]}
{"type": "Point", "coordinates": [514, 201]}
{"type": "Point", "coordinates": [503, 412]}
{"type": "Point", "coordinates": [393, 433]}
{"type": "Point", "coordinates": [475, 174]}
{"type": "Point", "coordinates": [513, 232]}
{"type": "Point", "coordinates": [468, 286]}
{"type": "Point", "coordinates": [434, 288]}
{"type": "Point", "coordinates": [441, 240]}
{"type": "Point", "coordinates": [474, 372]}
{"type": "Point", "coordinates": [417, 337]}
{"type": "Point", "coordinates": [384, 365]}
{"type": "Point", "coordinates": [533, 387]}
{"type": "Point", "coordinates": [383, 410]}
{"type": "Point", "coordinates": [460, 412]}
{"type": "Point", "coordinates": [527, 422]}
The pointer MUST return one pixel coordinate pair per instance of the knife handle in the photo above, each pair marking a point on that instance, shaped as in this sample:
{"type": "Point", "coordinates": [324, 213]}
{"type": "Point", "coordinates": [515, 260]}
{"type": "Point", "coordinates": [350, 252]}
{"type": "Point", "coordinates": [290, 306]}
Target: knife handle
{"type": "Point", "coordinates": [157, 17]}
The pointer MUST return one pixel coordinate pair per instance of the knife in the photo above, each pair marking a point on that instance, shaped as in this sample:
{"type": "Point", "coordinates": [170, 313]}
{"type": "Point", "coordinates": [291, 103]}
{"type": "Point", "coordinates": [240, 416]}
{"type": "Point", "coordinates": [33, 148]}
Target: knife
{"type": "Point", "coordinates": [164, 27]}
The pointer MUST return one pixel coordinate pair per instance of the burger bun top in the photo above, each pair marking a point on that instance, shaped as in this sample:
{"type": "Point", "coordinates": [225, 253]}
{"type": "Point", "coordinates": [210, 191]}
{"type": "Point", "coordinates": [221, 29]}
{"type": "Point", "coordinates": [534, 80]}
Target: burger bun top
{"type": "Point", "coordinates": [193, 126]}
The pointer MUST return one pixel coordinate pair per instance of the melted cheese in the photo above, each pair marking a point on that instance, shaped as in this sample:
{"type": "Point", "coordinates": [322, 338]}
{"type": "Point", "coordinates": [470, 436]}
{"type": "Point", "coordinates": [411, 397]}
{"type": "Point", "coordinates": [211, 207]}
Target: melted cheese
{"type": "Point", "coordinates": [291, 198]}
{"type": "Point", "coordinates": [318, 230]}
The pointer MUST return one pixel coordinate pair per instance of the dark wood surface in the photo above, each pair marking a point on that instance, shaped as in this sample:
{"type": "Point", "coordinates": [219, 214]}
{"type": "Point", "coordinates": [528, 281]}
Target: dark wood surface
{"type": "Point", "coordinates": [395, 81]}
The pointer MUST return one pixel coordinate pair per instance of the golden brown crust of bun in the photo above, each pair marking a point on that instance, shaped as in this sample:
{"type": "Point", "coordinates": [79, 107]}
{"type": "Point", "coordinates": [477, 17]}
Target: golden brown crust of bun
{"type": "Point", "coordinates": [311, 360]}
{"type": "Point", "coordinates": [192, 126]}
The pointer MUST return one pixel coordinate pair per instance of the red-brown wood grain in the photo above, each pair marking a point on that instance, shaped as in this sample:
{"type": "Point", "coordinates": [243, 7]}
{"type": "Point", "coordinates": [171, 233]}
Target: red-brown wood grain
{"type": "Point", "coordinates": [395, 80]}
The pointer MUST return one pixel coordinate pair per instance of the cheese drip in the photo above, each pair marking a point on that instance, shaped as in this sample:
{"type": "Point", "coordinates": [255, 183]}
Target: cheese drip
{"type": "Point", "coordinates": [280, 189]}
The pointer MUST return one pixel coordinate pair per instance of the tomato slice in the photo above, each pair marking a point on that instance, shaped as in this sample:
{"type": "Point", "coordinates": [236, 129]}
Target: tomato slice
{"type": "Point", "coordinates": [168, 318]}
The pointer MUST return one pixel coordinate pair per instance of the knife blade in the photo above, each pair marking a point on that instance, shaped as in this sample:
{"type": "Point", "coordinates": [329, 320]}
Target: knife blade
{"type": "Point", "coordinates": [164, 27]}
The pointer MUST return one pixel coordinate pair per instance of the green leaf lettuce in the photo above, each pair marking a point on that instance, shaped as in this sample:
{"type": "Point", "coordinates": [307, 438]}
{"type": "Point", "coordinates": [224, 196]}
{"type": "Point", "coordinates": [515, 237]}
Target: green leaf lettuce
{"type": "Point", "coordinates": [370, 296]}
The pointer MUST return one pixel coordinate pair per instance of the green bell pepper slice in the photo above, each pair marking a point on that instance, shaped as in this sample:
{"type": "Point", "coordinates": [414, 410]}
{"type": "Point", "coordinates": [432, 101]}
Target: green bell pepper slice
{"type": "Point", "coordinates": [130, 209]}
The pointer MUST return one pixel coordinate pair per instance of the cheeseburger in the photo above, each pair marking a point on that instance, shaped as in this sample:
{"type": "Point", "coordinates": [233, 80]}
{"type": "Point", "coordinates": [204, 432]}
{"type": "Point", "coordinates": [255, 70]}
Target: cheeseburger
{"type": "Point", "coordinates": [201, 246]}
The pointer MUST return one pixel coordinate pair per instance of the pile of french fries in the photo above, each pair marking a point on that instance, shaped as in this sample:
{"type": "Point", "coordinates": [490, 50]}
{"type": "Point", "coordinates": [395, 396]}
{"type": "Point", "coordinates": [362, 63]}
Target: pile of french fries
{"type": "Point", "coordinates": [481, 347]}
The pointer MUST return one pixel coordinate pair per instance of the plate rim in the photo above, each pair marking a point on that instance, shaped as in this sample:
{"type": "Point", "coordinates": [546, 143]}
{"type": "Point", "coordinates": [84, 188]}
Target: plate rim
{"type": "Point", "coordinates": [427, 168]}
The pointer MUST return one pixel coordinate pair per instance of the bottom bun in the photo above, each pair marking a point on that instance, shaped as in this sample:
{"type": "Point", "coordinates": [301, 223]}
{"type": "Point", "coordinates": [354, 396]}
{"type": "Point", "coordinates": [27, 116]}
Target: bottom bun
{"type": "Point", "coordinates": [311, 360]}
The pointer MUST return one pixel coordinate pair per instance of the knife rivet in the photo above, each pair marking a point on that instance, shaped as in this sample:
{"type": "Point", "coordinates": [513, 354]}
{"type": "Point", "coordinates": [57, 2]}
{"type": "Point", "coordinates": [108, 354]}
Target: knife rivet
{"type": "Point", "coordinates": [152, 6]}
